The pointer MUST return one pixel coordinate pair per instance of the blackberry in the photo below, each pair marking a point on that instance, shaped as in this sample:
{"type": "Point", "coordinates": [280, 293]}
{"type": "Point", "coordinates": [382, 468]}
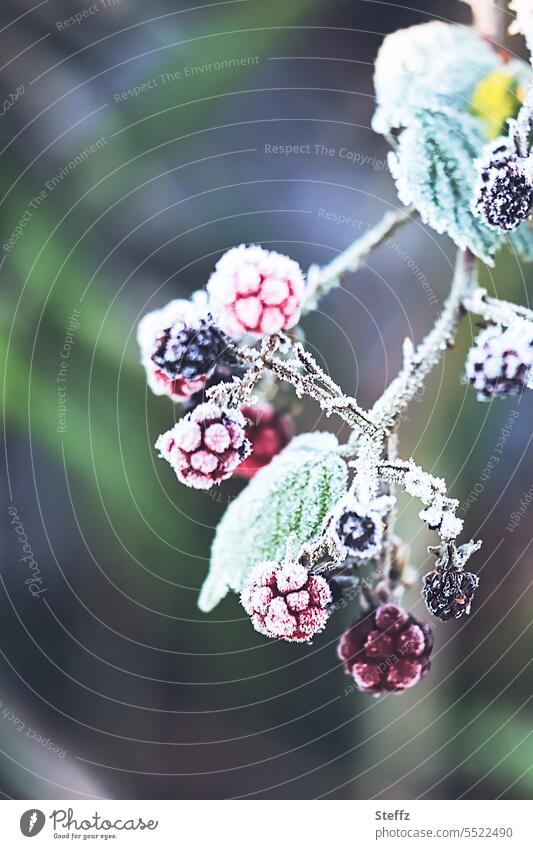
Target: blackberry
{"type": "Point", "coordinates": [205, 446]}
{"type": "Point", "coordinates": [192, 351]}
{"type": "Point", "coordinates": [358, 523]}
{"type": "Point", "coordinates": [504, 194]}
{"type": "Point", "coordinates": [448, 593]}
{"type": "Point", "coordinates": [499, 364]}
{"type": "Point", "coordinates": [386, 651]}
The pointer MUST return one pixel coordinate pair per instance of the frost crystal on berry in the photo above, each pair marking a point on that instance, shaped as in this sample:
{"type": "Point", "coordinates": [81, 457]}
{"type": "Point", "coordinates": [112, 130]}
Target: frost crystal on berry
{"type": "Point", "coordinates": [357, 523]}
{"type": "Point", "coordinates": [206, 446]}
{"type": "Point", "coordinates": [269, 432]}
{"type": "Point", "coordinates": [500, 361]}
{"type": "Point", "coordinates": [286, 602]}
{"type": "Point", "coordinates": [256, 291]}
{"type": "Point", "coordinates": [386, 651]}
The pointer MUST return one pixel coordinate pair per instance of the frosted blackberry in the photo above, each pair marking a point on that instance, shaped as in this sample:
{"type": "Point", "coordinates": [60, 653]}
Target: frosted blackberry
{"type": "Point", "coordinates": [286, 602]}
{"type": "Point", "coordinates": [499, 363]}
{"type": "Point", "coordinates": [268, 431]}
{"type": "Point", "coordinates": [192, 351]}
{"type": "Point", "coordinates": [448, 594]}
{"type": "Point", "coordinates": [256, 291]}
{"type": "Point", "coordinates": [503, 197]}
{"type": "Point", "coordinates": [386, 651]}
{"type": "Point", "coordinates": [357, 523]}
{"type": "Point", "coordinates": [205, 446]}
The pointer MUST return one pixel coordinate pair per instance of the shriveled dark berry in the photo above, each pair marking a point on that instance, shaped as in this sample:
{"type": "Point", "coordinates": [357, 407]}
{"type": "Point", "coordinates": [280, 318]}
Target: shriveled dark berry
{"type": "Point", "coordinates": [448, 593]}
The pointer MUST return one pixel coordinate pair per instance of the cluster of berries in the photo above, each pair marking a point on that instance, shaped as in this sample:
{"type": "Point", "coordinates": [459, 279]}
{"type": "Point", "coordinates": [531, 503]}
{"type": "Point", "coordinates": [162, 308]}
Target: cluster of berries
{"type": "Point", "coordinates": [187, 347]}
{"type": "Point", "coordinates": [190, 346]}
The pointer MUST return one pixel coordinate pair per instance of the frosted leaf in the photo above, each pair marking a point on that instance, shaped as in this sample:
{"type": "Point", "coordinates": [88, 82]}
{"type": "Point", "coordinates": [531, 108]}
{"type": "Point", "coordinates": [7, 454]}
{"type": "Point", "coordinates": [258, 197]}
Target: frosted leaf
{"type": "Point", "coordinates": [290, 496]}
{"type": "Point", "coordinates": [431, 65]}
{"type": "Point", "coordinates": [434, 170]}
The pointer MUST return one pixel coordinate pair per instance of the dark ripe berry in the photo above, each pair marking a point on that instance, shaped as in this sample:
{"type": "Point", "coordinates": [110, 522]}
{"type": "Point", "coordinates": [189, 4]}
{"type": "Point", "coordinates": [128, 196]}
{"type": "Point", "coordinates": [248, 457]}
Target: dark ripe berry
{"type": "Point", "coordinates": [500, 361]}
{"type": "Point", "coordinates": [503, 196]}
{"type": "Point", "coordinates": [386, 651]}
{"type": "Point", "coordinates": [192, 351]}
{"type": "Point", "coordinates": [448, 593]}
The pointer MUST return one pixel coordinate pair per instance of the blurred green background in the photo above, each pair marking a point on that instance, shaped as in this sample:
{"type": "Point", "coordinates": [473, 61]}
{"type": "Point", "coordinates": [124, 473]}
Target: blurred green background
{"type": "Point", "coordinates": [124, 199]}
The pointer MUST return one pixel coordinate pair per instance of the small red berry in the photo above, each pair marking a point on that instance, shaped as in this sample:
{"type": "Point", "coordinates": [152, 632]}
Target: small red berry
{"type": "Point", "coordinates": [255, 291]}
{"type": "Point", "coordinates": [206, 446]}
{"type": "Point", "coordinates": [386, 651]}
{"type": "Point", "coordinates": [269, 432]}
{"type": "Point", "coordinates": [286, 602]}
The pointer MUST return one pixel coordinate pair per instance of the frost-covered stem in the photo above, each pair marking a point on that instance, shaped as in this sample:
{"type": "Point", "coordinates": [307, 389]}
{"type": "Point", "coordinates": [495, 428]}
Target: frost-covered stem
{"type": "Point", "coordinates": [321, 279]}
{"type": "Point", "coordinates": [419, 362]}
{"type": "Point", "coordinates": [318, 385]}
{"type": "Point", "coordinates": [493, 309]}
{"type": "Point", "coordinates": [390, 454]}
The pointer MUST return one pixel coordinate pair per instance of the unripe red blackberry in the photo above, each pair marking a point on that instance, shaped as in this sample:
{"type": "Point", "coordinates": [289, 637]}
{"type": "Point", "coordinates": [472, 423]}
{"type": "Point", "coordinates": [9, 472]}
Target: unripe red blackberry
{"type": "Point", "coordinates": [503, 197]}
{"type": "Point", "coordinates": [256, 291]}
{"type": "Point", "coordinates": [286, 602]}
{"type": "Point", "coordinates": [448, 593]}
{"type": "Point", "coordinates": [206, 446]}
{"type": "Point", "coordinates": [386, 651]}
{"type": "Point", "coordinates": [269, 432]}
{"type": "Point", "coordinates": [499, 364]}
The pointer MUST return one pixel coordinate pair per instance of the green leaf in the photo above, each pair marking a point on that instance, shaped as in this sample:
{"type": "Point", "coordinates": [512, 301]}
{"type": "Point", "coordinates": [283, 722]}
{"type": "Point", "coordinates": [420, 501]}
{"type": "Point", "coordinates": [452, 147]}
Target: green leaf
{"type": "Point", "coordinates": [433, 65]}
{"type": "Point", "coordinates": [292, 495]}
{"type": "Point", "coordinates": [434, 170]}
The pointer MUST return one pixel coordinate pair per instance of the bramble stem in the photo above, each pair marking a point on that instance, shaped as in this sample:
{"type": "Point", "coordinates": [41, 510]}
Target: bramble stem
{"type": "Point", "coordinates": [492, 309]}
{"type": "Point", "coordinates": [321, 279]}
{"type": "Point", "coordinates": [318, 385]}
{"type": "Point", "coordinates": [421, 360]}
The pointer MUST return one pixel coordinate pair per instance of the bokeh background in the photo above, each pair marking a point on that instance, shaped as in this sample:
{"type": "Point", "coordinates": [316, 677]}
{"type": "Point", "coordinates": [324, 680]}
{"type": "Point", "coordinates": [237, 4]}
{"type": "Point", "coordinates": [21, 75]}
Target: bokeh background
{"type": "Point", "coordinates": [112, 683]}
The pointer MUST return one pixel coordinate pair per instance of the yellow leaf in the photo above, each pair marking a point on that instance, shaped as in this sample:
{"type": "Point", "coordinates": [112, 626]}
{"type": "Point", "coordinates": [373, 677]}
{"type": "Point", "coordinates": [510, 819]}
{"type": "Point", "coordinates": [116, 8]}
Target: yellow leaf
{"type": "Point", "coordinates": [496, 99]}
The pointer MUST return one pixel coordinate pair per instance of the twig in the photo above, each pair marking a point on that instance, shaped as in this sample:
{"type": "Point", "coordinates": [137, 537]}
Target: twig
{"type": "Point", "coordinates": [492, 309]}
{"type": "Point", "coordinates": [419, 362]}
